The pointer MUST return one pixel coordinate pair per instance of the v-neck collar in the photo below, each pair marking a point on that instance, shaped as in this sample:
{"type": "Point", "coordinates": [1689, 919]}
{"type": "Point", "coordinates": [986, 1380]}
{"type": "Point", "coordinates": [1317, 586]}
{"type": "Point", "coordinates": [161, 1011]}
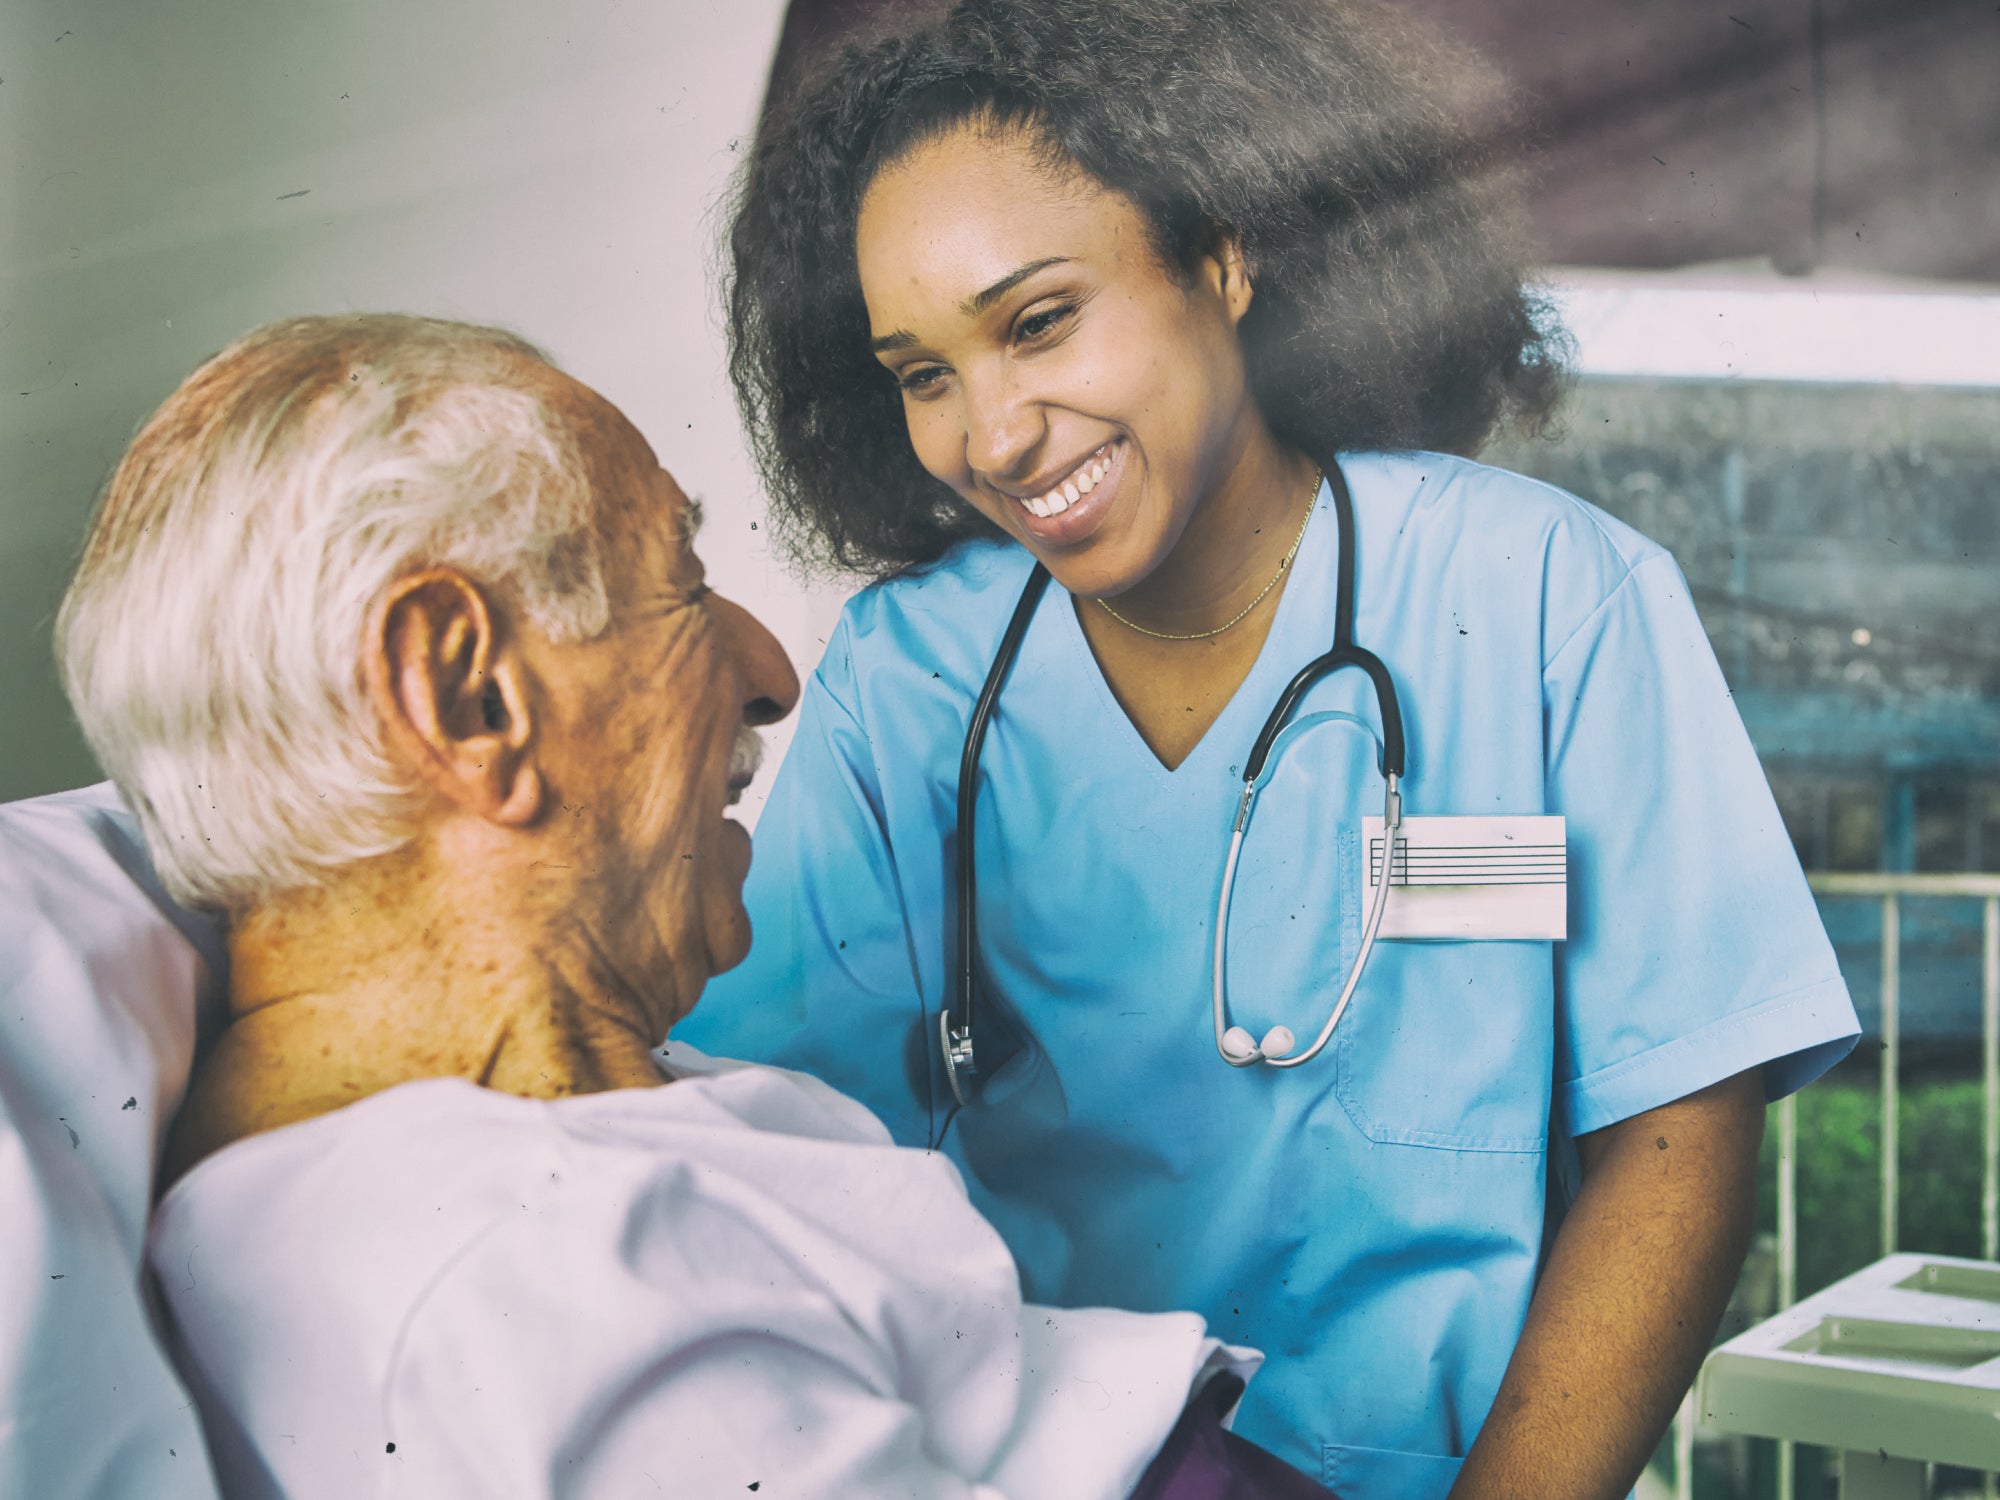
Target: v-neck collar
{"type": "Point", "coordinates": [1286, 648]}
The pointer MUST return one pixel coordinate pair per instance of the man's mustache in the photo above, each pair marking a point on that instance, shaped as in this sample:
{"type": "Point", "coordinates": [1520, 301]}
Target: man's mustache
{"type": "Point", "coordinates": [745, 756]}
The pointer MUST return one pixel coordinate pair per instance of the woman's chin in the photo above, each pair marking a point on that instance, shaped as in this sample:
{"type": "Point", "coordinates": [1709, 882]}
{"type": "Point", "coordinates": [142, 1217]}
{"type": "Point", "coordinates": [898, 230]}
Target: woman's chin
{"type": "Point", "coordinates": [1100, 546]}
{"type": "Point", "coordinates": [1119, 561]}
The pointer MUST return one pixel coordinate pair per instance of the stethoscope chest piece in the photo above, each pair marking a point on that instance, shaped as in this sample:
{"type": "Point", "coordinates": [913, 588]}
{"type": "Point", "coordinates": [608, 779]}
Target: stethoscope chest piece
{"type": "Point", "coordinates": [955, 1043]}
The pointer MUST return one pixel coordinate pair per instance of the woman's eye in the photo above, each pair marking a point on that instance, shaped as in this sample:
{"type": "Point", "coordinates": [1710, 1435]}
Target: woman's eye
{"type": "Point", "coordinates": [1042, 322]}
{"type": "Point", "coordinates": [920, 380]}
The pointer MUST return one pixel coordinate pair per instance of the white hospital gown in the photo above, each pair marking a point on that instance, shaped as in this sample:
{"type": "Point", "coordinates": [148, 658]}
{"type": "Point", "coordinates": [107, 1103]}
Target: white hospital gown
{"type": "Point", "coordinates": [733, 1284]}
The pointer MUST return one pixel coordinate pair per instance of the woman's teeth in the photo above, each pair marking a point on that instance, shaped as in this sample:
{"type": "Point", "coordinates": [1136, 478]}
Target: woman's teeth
{"type": "Point", "coordinates": [1074, 488]}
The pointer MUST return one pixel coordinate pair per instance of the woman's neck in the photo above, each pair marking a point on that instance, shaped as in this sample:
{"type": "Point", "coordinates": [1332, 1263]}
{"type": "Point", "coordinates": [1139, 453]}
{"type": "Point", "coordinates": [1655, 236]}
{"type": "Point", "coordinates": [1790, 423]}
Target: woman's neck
{"type": "Point", "coordinates": [1235, 543]}
{"type": "Point", "coordinates": [1232, 551]}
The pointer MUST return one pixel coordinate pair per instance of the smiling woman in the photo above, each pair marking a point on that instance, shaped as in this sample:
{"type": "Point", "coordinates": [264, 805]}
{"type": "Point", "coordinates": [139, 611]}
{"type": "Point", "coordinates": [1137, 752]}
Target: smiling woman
{"type": "Point", "coordinates": [1130, 294]}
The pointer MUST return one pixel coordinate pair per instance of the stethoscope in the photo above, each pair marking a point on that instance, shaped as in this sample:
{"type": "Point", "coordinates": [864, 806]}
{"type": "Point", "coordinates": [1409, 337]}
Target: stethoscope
{"type": "Point", "coordinates": [955, 1020]}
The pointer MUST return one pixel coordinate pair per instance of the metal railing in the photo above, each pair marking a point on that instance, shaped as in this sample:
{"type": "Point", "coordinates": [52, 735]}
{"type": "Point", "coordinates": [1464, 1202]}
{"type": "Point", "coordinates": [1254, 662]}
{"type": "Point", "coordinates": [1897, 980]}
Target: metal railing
{"type": "Point", "coordinates": [1889, 890]}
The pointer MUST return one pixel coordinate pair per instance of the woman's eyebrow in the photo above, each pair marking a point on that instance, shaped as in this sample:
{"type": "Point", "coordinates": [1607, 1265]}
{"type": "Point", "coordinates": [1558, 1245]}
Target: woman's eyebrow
{"type": "Point", "coordinates": [974, 305]}
{"type": "Point", "coordinates": [979, 301]}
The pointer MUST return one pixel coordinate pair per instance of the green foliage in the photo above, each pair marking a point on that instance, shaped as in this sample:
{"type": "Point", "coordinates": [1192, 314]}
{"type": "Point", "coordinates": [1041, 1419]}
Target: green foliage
{"type": "Point", "coordinates": [1839, 1174]}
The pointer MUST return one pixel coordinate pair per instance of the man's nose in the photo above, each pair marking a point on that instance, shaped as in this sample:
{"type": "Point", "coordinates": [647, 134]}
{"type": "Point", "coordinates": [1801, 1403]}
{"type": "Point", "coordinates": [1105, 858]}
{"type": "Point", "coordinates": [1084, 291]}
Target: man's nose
{"type": "Point", "coordinates": [770, 686]}
{"type": "Point", "coordinates": [1004, 427]}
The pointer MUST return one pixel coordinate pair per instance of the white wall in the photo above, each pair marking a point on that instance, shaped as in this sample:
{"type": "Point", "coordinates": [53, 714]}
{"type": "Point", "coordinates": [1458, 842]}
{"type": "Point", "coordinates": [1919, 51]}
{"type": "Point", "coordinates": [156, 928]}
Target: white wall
{"type": "Point", "coordinates": [178, 171]}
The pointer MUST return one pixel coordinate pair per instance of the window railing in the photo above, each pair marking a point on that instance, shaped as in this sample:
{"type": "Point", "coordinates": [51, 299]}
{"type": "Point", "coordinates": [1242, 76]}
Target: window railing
{"type": "Point", "coordinates": [1890, 891]}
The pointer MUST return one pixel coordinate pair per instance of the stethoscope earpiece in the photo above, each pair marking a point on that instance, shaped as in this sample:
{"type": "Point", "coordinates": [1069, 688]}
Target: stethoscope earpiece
{"type": "Point", "coordinates": [1233, 1042]}
{"type": "Point", "coordinates": [1237, 1048]}
{"type": "Point", "coordinates": [1240, 1052]}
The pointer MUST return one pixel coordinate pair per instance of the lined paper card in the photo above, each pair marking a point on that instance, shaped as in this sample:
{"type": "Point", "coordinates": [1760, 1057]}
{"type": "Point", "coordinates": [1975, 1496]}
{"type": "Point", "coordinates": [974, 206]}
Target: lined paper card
{"type": "Point", "coordinates": [1480, 877]}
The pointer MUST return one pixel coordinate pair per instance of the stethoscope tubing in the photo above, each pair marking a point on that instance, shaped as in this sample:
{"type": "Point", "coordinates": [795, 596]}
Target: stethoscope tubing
{"type": "Point", "coordinates": [956, 1041]}
{"type": "Point", "coordinates": [1347, 655]}
{"type": "Point", "coordinates": [1392, 818]}
{"type": "Point", "coordinates": [955, 1021]}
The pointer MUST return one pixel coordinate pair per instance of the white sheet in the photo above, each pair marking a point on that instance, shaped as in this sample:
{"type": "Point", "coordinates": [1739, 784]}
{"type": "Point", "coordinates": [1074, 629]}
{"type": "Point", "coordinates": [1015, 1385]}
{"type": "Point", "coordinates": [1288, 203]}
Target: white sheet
{"type": "Point", "coordinates": [730, 1283]}
{"type": "Point", "coordinates": [101, 982]}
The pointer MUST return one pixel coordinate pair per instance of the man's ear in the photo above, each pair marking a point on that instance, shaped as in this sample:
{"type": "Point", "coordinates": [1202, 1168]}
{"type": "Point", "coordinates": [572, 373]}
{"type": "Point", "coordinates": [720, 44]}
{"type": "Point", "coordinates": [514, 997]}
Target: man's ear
{"type": "Point", "coordinates": [453, 696]}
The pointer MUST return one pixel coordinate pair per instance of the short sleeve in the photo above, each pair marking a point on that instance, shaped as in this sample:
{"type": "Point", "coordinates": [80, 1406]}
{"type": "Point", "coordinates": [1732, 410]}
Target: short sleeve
{"type": "Point", "coordinates": [830, 986]}
{"type": "Point", "coordinates": [1695, 949]}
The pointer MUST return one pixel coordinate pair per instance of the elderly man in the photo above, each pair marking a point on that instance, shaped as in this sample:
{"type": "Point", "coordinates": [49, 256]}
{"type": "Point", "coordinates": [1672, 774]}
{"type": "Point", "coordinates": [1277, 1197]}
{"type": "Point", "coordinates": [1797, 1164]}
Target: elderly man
{"type": "Point", "coordinates": [394, 638]}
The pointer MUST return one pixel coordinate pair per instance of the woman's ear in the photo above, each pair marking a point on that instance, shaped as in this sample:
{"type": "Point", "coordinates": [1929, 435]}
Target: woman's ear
{"type": "Point", "coordinates": [1223, 270]}
{"type": "Point", "coordinates": [1238, 286]}
{"type": "Point", "coordinates": [453, 696]}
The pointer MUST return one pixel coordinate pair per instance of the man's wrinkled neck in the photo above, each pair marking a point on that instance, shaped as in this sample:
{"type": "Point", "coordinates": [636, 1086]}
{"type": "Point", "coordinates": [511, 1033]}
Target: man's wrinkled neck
{"type": "Point", "coordinates": [391, 975]}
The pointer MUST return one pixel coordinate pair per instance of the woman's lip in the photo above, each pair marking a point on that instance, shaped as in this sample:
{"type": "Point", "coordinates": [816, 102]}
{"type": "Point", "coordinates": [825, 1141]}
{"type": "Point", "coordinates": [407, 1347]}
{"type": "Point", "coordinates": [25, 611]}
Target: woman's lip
{"type": "Point", "coordinates": [1079, 466]}
{"type": "Point", "coordinates": [1083, 517]}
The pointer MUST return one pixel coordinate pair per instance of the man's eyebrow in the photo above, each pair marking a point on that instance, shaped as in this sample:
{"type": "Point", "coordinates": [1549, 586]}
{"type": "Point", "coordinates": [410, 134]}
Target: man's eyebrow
{"type": "Point", "coordinates": [692, 515]}
{"type": "Point", "coordinates": [976, 304]}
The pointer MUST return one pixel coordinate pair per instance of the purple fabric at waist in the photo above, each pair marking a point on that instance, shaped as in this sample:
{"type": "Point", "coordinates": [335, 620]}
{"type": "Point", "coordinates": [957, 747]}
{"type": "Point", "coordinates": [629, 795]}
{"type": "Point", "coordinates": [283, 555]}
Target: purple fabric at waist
{"type": "Point", "coordinates": [1203, 1460]}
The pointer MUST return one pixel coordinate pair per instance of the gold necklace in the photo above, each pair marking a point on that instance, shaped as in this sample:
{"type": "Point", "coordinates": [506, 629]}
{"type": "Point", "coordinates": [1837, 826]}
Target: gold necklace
{"type": "Point", "coordinates": [1312, 496]}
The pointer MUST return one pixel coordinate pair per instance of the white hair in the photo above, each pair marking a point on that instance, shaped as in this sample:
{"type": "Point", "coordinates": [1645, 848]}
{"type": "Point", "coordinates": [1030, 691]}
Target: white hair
{"type": "Point", "coordinates": [212, 641]}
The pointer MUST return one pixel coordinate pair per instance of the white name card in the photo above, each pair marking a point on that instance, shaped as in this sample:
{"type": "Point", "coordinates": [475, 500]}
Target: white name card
{"type": "Point", "coordinates": [1481, 877]}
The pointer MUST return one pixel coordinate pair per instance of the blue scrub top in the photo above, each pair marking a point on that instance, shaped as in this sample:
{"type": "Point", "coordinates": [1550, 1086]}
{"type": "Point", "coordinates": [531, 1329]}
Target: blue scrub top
{"type": "Point", "coordinates": [1374, 1219]}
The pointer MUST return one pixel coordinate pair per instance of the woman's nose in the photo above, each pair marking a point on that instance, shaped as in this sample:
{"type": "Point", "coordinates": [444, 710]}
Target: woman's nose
{"type": "Point", "coordinates": [770, 686]}
{"type": "Point", "coordinates": [1004, 428]}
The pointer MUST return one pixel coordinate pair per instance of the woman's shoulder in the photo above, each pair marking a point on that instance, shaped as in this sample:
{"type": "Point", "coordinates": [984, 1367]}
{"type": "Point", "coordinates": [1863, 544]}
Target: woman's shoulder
{"type": "Point", "coordinates": [1502, 546]}
{"type": "Point", "coordinates": [1483, 503]}
{"type": "Point", "coordinates": [1510, 542]}
{"type": "Point", "coordinates": [973, 581]}
{"type": "Point", "coordinates": [946, 619]}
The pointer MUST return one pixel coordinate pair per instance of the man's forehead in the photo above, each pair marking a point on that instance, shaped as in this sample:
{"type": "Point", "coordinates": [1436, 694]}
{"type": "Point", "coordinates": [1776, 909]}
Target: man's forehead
{"type": "Point", "coordinates": [641, 500]}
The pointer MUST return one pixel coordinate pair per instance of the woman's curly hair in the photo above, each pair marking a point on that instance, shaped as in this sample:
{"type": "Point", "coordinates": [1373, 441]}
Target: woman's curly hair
{"type": "Point", "coordinates": [1350, 156]}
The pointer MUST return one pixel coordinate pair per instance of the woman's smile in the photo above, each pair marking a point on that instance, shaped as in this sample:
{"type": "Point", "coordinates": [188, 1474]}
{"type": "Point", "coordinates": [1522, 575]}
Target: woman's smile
{"type": "Point", "coordinates": [1069, 509]}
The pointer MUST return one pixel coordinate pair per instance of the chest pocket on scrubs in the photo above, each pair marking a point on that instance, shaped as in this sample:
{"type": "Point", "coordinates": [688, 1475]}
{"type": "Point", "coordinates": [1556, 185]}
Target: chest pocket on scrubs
{"type": "Point", "coordinates": [1445, 1044]}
